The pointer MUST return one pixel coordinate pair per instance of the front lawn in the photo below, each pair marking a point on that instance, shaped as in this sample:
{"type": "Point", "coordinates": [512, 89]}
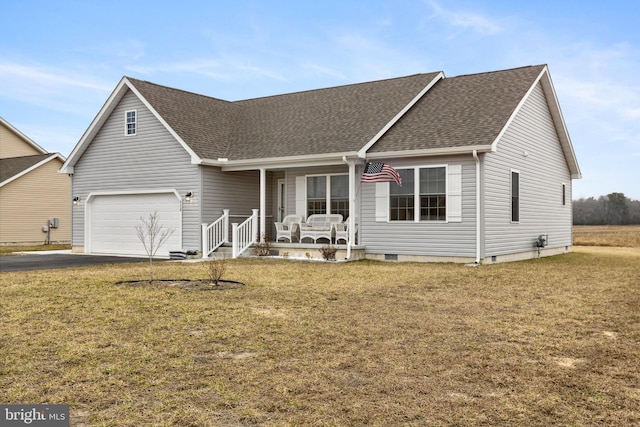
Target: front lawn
{"type": "Point", "coordinates": [553, 341]}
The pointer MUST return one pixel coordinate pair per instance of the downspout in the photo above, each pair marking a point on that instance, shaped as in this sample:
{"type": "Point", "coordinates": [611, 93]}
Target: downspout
{"type": "Point", "coordinates": [477, 159]}
{"type": "Point", "coordinates": [352, 180]}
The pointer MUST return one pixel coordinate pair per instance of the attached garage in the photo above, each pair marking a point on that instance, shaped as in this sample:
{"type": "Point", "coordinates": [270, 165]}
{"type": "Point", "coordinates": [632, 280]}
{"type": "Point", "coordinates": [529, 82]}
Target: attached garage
{"type": "Point", "coordinates": [112, 220]}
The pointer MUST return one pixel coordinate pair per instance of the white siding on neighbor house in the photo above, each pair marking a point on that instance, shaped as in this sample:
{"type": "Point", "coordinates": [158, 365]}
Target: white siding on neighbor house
{"type": "Point", "coordinates": [425, 238]}
{"type": "Point", "coordinates": [530, 146]}
{"type": "Point", "coordinates": [151, 159]}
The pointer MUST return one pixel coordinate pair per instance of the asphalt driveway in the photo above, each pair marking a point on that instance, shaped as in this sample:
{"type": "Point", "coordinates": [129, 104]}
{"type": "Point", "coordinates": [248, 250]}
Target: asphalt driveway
{"type": "Point", "coordinates": [61, 259]}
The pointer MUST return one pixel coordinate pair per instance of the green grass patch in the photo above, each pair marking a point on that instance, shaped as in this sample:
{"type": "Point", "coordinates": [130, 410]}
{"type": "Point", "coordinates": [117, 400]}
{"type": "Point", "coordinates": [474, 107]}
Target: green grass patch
{"type": "Point", "coordinates": [551, 341]}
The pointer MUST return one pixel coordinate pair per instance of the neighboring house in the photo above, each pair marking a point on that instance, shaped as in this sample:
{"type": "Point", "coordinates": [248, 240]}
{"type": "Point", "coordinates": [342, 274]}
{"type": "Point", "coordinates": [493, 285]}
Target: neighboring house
{"type": "Point", "coordinates": [32, 192]}
{"type": "Point", "coordinates": [486, 162]}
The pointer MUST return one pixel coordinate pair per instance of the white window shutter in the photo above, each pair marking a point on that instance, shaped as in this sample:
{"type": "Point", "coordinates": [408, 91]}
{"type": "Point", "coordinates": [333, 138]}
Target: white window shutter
{"type": "Point", "coordinates": [454, 193]}
{"type": "Point", "coordinates": [382, 201]}
{"type": "Point", "coordinates": [301, 196]}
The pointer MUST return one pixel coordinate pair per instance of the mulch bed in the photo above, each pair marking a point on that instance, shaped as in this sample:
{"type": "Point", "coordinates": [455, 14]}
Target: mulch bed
{"type": "Point", "coordinates": [196, 285]}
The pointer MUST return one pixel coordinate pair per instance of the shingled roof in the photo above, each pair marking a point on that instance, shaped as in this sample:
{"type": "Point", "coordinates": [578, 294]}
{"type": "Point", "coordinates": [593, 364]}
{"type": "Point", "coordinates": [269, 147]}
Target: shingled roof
{"type": "Point", "coordinates": [12, 166]}
{"type": "Point", "coordinates": [332, 120]}
{"type": "Point", "coordinates": [461, 111]}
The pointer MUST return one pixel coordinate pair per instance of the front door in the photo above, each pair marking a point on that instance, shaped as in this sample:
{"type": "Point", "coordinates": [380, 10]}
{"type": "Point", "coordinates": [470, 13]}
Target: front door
{"type": "Point", "coordinates": [281, 199]}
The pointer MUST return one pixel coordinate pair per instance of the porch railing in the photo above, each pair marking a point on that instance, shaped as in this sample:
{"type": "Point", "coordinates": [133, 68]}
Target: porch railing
{"type": "Point", "coordinates": [215, 234]}
{"type": "Point", "coordinates": [244, 235]}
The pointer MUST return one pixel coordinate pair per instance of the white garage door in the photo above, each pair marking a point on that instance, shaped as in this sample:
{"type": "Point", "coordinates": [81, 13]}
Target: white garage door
{"type": "Point", "coordinates": [113, 220]}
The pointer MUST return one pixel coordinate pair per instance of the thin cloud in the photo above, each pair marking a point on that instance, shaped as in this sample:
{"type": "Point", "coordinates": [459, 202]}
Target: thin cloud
{"type": "Point", "coordinates": [466, 20]}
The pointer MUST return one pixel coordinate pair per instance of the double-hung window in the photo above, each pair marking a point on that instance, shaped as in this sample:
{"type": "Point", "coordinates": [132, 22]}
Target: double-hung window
{"type": "Point", "coordinates": [423, 195]}
{"type": "Point", "coordinates": [130, 122]}
{"type": "Point", "coordinates": [328, 191]}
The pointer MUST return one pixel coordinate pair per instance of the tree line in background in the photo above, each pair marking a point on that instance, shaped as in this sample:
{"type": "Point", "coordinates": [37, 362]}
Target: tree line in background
{"type": "Point", "coordinates": [612, 209]}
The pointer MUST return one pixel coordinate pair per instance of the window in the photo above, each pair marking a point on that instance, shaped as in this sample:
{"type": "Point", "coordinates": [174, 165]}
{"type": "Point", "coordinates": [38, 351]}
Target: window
{"type": "Point", "coordinates": [515, 196]}
{"type": "Point", "coordinates": [402, 199]}
{"type": "Point", "coordinates": [328, 190]}
{"type": "Point", "coordinates": [316, 195]}
{"type": "Point", "coordinates": [426, 201]}
{"type": "Point", "coordinates": [433, 194]}
{"type": "Point", "coordinates": [130, 123]}
{"type": "Point", "coordinates": [564, 194]}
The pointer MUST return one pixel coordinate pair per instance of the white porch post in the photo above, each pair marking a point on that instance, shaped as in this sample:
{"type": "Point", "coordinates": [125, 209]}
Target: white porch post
{"type": "Point", "coordinates": [352, 206]}
{"type": "Point", "coordinates": [263, 203]}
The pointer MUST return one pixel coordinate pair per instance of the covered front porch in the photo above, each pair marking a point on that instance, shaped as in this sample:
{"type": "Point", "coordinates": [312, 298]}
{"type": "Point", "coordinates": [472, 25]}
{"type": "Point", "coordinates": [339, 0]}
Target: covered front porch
{"type": "Point", "coordinates": [303, 189]}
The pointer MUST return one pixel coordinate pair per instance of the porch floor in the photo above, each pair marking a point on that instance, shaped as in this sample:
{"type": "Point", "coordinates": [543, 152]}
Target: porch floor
{"type": "Point", "coordinates": [296, 250]}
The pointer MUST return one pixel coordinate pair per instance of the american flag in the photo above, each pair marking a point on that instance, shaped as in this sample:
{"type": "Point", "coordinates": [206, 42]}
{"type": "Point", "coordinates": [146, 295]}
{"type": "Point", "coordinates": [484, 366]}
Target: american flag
{"type": "Point", "coordinates": [380, 172]}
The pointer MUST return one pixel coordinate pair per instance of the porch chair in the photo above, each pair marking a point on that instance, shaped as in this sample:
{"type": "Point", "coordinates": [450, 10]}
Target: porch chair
{"type": "Point", "coordinates": [288, 228]}
{"type": "Point", "coordinates": [342, 231]}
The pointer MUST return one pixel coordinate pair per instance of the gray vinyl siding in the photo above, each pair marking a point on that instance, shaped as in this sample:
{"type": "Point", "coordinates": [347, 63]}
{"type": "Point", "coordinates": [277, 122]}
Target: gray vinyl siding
{"type": "Point", "coordinates": [425, 238]}
{"type": "Point", "coordinates": [530, 146]}
{"type": "Point", "coordinates": [237, 191]}
{"type": "Point", "coordinates": [151, 159]}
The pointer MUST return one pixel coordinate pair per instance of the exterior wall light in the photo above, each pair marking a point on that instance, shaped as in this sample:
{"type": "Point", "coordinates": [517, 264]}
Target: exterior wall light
{"type": "Point", "coordinates": [188, 196]}
{"type": "Point", "coordinates": [76, 200]}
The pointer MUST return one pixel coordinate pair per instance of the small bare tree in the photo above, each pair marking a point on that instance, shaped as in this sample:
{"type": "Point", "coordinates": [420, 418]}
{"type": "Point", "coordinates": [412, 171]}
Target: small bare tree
{"type": "Point", "coordinates": [153, 235]}
{"type": "Point", "coordinates": [216, 268]}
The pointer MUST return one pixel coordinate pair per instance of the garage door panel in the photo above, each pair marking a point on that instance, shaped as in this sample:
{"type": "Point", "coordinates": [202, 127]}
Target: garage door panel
{"type": "Point", "coordinates": [114, 219]}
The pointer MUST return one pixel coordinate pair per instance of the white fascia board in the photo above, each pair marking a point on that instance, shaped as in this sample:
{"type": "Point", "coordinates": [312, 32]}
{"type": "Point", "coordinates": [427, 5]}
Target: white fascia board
{"type": "Point", "coordinates": [34, 167]}
{"type": "Point", "coordinates": [363, 151]}
{"type": "Point", "coordinates": [561, 127]}
{"type": "Point", "coordinates": [22, 136]}
{"type": "Point", "coordinates": [95, 126]}
{"type": "Point", "coordinates": [429, 152]}
{"type": "Point", "coordinates": [281, 162]}
{"type": "Point", "coordinates": [195, 159]}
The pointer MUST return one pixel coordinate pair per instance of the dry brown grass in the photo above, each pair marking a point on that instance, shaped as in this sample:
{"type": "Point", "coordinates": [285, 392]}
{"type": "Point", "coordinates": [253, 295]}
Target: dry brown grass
{"type": "Point", "coordinates": [607, 235]}
{"type": "Point", "coordinates": [9, 250]}
{"type": "Point", "coordinates": [553, 341]}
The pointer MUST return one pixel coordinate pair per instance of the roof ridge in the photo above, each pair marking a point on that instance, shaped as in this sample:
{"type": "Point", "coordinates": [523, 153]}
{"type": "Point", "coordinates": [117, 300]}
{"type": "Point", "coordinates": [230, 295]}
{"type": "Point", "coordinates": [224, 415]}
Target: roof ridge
{"type": "Point", "coordinates": [499, 71]}
{"type": "Point", "coordinates": [336, 87]}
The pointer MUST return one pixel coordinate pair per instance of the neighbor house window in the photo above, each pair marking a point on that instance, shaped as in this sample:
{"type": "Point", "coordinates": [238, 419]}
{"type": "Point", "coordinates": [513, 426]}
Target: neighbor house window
{"type": "Point", "coordinates": [423, 195]}
{"type": "Point", "coordinates": [515, 196]}
{"type": "Point", "coordinates": [130, 122]}
{"type": "Point", "coordinates": [328, 191]}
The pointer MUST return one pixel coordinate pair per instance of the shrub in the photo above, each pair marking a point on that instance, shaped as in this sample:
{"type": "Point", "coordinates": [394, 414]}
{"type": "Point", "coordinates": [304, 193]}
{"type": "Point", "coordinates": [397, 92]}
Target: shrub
{"type": "Point", "coordinates": [328, 252]}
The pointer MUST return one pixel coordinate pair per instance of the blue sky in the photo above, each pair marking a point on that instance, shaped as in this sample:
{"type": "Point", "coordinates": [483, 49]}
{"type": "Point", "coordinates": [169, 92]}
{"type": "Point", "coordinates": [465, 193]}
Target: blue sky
{"type": "Point", "coordinates": [60, 60]}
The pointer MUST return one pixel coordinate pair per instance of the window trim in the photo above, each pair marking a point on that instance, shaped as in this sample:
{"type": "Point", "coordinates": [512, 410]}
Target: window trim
{"type": "Point", "coordinates": [135, 123]}
{"type": "Point", "coordinates": [416, 195]}
{"type": "Point", "coordinates": [517, 197]}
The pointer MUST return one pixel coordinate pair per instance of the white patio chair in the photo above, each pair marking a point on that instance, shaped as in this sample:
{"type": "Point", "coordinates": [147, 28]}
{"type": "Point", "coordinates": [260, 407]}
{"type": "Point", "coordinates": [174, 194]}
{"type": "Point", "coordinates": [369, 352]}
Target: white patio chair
{"type": "Point", "coordinates": [288, 228]}
{"type": "Point", "coordinates": [342, 231]}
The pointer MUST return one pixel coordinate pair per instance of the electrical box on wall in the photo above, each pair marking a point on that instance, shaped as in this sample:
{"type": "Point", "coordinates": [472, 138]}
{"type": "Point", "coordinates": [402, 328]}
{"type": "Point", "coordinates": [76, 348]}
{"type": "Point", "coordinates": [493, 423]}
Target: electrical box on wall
{"type": "Point", "coordinates": [54, 223]}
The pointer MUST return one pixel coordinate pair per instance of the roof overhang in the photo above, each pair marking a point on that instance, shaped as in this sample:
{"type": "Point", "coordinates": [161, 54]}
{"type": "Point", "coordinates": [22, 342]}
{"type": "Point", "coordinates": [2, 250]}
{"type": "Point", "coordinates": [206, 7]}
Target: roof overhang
{"type": "Point", "coordinates": [469, 149]}
{"type": "Point", "coordinates": [282, 162]}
